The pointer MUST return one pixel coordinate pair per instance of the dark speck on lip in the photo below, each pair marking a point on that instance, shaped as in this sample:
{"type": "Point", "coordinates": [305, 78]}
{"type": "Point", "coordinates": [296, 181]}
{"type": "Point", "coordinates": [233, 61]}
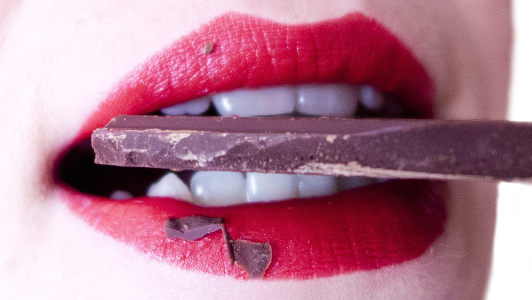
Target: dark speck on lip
{"type": "Point", "coordinates": [208, 48]}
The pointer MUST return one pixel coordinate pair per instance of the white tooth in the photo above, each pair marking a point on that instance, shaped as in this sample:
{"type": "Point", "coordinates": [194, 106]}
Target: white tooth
{"type": "Point", "coordinates": [193, 107]}
{"type": "Point", "coordinates": [337, 100]}
{"type": "Point", "coordinates": [270, 187]}
{"type": "Point", "coordinates": [259, 102]}
{"type": "Point", "coordinates": [218, 188]}
{"type": "Point", "coordinates": [370, 98]}
{"type": "Point", "coordinates": [314, 186]}
{"type": "Point", "coordinates": [169, 185]}
{"type": "Point", "coordinates": [348, 183]}
{"type": "Point", "coordinates": [120, 195]}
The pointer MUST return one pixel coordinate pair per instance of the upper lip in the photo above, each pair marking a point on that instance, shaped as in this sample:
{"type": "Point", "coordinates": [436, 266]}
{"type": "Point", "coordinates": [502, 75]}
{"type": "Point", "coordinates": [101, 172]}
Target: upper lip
{"type": "Point", "coordinates": [352, 49]}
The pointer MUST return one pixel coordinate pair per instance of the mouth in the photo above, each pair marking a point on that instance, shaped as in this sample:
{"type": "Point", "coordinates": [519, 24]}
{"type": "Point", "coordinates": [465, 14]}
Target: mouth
{"type": "Point", "coordinates": [241, 65]}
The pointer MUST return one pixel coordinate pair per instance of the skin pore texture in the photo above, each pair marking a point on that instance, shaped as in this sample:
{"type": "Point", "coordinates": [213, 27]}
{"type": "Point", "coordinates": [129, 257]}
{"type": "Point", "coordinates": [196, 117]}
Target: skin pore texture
{"type": "Point", "coordinates": [60, 59]}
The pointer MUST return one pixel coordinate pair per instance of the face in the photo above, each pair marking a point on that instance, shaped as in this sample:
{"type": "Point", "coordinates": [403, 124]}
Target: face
{"type": "Point", "coordinates": [69, 67]}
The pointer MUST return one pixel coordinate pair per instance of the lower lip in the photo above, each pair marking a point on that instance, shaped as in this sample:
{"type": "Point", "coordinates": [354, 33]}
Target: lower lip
{"type": "Point", "coordinates": [363, 229]}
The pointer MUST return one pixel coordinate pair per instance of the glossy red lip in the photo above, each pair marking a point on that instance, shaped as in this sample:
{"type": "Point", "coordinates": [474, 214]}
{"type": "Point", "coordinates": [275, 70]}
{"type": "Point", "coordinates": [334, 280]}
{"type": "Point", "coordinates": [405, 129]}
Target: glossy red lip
{"type": "Point", "coordinates": [361, 229]}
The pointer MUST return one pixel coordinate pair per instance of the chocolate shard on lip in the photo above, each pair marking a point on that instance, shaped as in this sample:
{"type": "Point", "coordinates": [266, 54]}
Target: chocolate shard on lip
{"type": "Point", "coordinates": [192, 227]}
{"type": "Point", "coordinates": [400, 148]}
{"type": "Point", "coordinates": [254, 258]}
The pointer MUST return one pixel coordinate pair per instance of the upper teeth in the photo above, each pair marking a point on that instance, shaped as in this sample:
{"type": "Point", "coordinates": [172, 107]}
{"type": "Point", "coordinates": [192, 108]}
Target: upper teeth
{"type": "Point", "coordinates": [194, 107]}
{"type": "Point", "coordinates": [230, 188]}
{"type": "Point", "coordinates": [370, 98]}
{"type": "Point", "coordinates": [337, 100]}
{"type": "Point", "coordinates": [268, 101]}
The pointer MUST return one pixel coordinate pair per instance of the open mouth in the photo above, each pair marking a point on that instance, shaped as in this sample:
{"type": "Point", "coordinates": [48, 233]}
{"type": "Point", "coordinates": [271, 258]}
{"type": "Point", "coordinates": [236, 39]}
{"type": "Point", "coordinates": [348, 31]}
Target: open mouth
{"type": "Point", "coordinates": [211, 188]}
{"type": "Point", "coordinates": [241, 65]}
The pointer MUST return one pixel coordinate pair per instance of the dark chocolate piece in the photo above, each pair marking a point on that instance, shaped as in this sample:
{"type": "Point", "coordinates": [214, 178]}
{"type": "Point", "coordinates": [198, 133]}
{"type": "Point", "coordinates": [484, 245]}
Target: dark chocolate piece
{"type": "Point", "coordinates": [330, 146]}
{"type": "Point", "coordinates": [254, 258]}
{"type": "Point", "coordinates": [192, 227]}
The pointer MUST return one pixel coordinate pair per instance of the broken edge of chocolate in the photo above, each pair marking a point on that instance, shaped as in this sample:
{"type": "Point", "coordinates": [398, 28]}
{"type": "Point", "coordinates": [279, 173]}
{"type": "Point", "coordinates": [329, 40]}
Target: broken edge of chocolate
{"type": "Point", "coordinates": [228, 240]}
{"type": "Point", "coordinates": [192, 227]}
{"type": "Point", "coordinates": [254, 258]}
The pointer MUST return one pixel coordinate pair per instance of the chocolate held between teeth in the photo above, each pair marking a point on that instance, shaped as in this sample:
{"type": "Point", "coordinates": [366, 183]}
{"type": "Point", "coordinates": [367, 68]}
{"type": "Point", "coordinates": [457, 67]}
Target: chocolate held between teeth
{"type": "Point", "coordinates": [326, 146]}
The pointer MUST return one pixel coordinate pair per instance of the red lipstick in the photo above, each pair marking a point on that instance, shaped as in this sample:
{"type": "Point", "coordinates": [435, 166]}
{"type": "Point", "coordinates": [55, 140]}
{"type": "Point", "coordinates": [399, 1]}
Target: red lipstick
{"type": "Point", "coordinates": [252, 52]}
{"type": "Point", "coordinates": [361, 229]}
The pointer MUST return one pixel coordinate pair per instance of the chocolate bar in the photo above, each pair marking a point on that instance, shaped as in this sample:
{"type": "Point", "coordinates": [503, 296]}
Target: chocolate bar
{"type": "Point", "coordinates": [400, 148]}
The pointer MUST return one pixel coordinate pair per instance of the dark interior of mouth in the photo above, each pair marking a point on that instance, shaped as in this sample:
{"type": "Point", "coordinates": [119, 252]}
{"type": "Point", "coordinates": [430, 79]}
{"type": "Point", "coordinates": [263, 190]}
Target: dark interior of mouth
{"type": "Point", "coordinates": [78, 170]}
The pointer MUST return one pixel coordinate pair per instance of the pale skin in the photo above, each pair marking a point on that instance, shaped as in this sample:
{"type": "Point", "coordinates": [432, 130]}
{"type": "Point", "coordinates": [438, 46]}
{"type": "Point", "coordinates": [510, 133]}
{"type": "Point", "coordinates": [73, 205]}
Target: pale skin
{"type": "Point", "coordinates": [60, 59]}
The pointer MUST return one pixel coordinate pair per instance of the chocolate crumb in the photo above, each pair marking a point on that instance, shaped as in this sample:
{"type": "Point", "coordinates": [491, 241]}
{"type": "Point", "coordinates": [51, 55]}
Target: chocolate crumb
{"type": "Point", "coordinates": [192, 227]}
{"type": "Point", "coordinates": [208, 48]}
{"type": "Point", "coordinates": [254, 258]}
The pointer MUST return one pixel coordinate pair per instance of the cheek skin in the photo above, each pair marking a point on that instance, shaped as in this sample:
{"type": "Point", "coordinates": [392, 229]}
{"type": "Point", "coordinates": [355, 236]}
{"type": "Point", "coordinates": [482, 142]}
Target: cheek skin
{"type": "Point", "coordinates": [472, 216]}
{"type": "Point", "coordinates": [61, 58]}
{"type": "Point", "coordinates": [472, 68]}
{"type": "Point", "coordinates": [483, 61]}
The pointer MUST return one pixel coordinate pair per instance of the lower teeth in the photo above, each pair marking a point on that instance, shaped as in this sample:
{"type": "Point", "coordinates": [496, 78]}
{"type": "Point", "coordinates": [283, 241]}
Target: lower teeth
{"type": "Point", "coordinates": [170, 186]}
{"type": "Point", "coordinates": [232, 188]}
{"type": "Point", "coordinates": [120, 195]}
{"type": "Point", "coordinates": [218, 188]}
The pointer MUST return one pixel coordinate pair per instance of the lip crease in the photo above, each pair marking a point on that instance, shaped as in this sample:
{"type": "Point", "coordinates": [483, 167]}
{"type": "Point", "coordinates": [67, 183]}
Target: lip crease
{"type": "Point", "coordinates": [363, 229]}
